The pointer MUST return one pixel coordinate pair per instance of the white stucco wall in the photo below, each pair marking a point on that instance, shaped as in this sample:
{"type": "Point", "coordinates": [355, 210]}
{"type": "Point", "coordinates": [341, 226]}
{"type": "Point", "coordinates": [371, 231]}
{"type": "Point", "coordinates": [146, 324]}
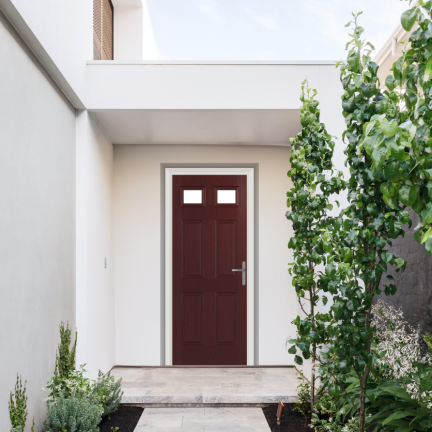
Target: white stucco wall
{"type": "Point", "coordinates": [37, 223]}
{"type": "Point", "coordinates": [138, 242]}
{"type": "Point", "coordinates": [95, 289]}
{"type": "Point", "coordinates": [64, 29]}
{"type": "Point", "coordinates": [133, 32]}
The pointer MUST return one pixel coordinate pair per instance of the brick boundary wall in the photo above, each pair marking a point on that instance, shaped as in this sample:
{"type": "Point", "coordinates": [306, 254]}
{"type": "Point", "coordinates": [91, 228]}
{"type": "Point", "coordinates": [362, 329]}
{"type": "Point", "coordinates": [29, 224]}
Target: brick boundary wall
{"type": "Point", "coordinates": [414, 292]}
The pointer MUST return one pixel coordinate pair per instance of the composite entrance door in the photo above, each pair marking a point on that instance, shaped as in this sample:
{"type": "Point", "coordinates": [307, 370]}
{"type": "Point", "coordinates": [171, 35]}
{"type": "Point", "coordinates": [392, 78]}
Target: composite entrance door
{"type": "Point", "coordinates": [209, 243]}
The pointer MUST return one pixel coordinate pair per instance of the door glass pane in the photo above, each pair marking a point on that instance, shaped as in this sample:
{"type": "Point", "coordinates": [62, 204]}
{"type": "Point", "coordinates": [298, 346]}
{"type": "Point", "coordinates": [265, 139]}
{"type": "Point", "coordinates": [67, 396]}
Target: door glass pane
{"type": "Point", "coordinates": [192, 197]}
{"type": "Point", "coordinates": [226, 196]}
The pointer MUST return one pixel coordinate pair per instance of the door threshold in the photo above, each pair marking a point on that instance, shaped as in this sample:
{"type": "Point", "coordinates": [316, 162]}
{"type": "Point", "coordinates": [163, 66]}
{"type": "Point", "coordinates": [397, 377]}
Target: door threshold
{"type": "Point", "coordinates": [206, 366]}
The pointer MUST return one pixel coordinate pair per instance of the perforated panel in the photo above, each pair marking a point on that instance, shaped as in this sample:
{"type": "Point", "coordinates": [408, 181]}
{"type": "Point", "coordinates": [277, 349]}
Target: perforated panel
{"type": "Point", "coordinates": [103, 30]}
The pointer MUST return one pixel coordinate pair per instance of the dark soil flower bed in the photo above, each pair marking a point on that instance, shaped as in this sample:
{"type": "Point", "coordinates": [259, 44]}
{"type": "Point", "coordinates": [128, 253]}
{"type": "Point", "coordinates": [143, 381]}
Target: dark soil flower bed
{"type": "Point", "coordinates": [291, 420]}
{"type": "Point", "coordinates": [125, 418]}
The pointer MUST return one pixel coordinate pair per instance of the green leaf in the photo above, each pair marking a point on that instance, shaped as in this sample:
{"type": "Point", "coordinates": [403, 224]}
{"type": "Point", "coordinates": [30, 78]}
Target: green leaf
{"type": "Point", "coordinates": [404, 217]}
{"type": "Point", "coordinates": [426, 235]}
{"type": "Point", "coordinates": [398, 415]}
{"type": "Point", "coordinates": [373, 141]}
{"type": "Point", "coordinates": [389, 82]}
{"type": "Point", "coordinates": [389, 128]}
{"type": "Point", "coordinates": [347, 255]}
{"type": "Point", "coordinates": [379, 156]}
{"type": "Point", "coordinates": [408, 194]}
{"type": "Point", "coordinates": [428, 72]}
{"type": "Point", "coordinates": [392, 171]}
{"type": "Point", "coordinates": [354, 339]}
{"type": "Point", "coordinates": [292, 350]}
{"type": "Point", "coordinates": [352, 305]}
{"type": "Point", "coordinates": [354, 60]}
{"type": "Point", "coordinates": [428, 245]}
{"type": "Point", "coordinates": [298, 360]}
{"type": "Point", "coordinates": [408, 18]}
{"type": "Point", "coordinates": [330, 271]}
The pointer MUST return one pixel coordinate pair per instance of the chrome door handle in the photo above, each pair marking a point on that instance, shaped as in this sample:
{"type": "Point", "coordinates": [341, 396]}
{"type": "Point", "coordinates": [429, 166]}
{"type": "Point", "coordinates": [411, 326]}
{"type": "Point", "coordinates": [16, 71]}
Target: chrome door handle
{"type": "Point", "coordinates": [243, 270]}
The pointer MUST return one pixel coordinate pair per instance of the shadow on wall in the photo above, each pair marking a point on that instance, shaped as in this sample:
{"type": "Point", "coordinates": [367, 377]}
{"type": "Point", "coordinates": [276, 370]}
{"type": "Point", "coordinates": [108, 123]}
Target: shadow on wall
{"type": "Point", "coordinates": [414, 286]}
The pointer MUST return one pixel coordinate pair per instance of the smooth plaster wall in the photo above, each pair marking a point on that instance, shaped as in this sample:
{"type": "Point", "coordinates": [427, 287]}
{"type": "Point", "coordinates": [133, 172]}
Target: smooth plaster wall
{"type": "Point", "coordinates": [133, 32]}
{"type": "Point", "coordinates": [65, 29]}
{"type": "Point", "coordinates": [37, 222]}
{"type": "Point", "coordinates": [95, 288]}
{"type": "Point", "coordinates": [137, 246]}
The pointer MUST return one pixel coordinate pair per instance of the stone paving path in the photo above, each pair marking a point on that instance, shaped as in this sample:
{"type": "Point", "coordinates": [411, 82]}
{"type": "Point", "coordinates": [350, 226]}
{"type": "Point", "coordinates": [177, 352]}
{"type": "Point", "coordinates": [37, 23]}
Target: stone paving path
{"type": "Point", "coordinates": [202, 420]}
{"type": "Point", "coordinates": [203, 386]}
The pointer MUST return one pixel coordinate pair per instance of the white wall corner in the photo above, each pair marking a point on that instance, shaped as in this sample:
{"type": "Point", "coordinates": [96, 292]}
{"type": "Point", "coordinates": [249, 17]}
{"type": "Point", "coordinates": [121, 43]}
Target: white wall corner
{"type": "Point", "coordinates": [133, 31]}
{"type": "Point", "coordinates": [81, 234]}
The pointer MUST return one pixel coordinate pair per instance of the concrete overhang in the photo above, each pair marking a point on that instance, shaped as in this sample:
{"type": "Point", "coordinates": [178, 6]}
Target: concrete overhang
{"type": "Point", "coordinates": [160, 102]}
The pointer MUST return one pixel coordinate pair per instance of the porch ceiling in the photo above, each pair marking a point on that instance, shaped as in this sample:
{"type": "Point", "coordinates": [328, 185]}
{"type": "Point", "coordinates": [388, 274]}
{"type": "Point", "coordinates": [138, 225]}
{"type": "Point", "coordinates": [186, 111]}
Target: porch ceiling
{"type": "Point", "coordinates": [200, 126]}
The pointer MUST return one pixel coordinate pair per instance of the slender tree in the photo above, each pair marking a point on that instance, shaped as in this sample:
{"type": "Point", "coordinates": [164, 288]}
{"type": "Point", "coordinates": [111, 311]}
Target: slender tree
{"type": "Point", "coordinates": [375, 127]}
{"type": "Point", "coordinates": [309, 199]}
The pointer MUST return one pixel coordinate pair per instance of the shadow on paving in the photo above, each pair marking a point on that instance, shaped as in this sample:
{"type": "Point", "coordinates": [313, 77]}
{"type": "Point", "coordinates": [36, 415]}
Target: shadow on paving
{"type": "Point", "coordinates": [125, 418]}
{"type": "Point", "coordinates": [292, 421]}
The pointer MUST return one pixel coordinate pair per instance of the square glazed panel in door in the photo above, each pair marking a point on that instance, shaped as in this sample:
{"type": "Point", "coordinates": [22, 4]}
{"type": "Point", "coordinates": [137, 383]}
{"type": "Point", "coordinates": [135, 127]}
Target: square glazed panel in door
{"type": "Point", "coordinates": [209, 299]}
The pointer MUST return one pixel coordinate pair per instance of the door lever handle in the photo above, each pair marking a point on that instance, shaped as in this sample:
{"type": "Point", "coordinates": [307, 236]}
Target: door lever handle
{"type": "Point", "coordinates": [243, 270]}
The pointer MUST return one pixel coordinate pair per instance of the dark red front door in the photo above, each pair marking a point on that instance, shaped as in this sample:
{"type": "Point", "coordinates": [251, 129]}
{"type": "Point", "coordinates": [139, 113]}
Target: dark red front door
{"type": "Point", "coordinates": [209, 241]}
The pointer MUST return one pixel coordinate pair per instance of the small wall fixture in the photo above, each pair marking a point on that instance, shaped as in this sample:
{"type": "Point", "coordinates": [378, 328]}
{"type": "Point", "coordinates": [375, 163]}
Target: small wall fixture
{"type": "Point", "coordinates": [105, 262]}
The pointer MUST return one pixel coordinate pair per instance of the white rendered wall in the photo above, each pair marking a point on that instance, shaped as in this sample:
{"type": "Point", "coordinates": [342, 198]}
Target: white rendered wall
{"type": "Point", "coordinates": [64, 29]}
{"type": "Point", "coordinates": [37, 223]}
{"type": "Point", "coordinates": [137, 245]}
{"type": "Point", "coordinates": [133, 32]}
{"type": "Point", "coordinates": [95, 289]}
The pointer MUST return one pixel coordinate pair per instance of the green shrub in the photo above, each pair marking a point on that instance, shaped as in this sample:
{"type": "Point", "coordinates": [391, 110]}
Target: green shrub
{"type": "Point", "coordinates": [65, 362]}
{"type": "Point", "coordinates": [73, 414]}
{"type": "Point", "coordinates": [303, 391]}
{"type": "Point", "coordinates": [108, 392]}
{"type": "Point", "coordinates": [75, 385]}
{"type": "Point", "coordinates": [18, 408]}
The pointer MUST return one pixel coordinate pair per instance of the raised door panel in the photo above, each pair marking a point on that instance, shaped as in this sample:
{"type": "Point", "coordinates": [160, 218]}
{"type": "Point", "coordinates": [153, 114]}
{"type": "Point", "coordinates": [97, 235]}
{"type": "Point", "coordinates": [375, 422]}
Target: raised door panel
{"type": "Point", "coordinates": [226, 316]}
{"type": "Point", "coordinates": [192, 249]}
{"type": "Point", "coordinates": [193, 318]}
{"type": "Point", "coordinates": [226, 248]}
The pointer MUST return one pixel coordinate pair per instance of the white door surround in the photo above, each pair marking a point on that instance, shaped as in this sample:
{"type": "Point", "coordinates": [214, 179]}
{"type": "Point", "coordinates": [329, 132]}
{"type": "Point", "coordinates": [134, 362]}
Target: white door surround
{"type": "Point", "coordinates": [169, 172]}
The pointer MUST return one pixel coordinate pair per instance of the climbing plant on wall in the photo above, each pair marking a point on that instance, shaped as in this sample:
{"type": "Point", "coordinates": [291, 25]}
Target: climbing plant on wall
{"type": "Point", "coordinates": [309, 199]}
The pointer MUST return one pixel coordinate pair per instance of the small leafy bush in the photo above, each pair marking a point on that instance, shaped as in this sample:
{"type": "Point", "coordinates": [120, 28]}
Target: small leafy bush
{"type": "Point", "coordinates": [76, 384]}
{"type": "Point", "coordinates": [303, 391]}
{"type": "Point", "coordinates": [108, 392]}
{"type": "Point", "coordinates": [65, 364]}
{"type": "Point", "coordinates": [18, 408]}
{"type": "Point", "coordinates": [73, 414]}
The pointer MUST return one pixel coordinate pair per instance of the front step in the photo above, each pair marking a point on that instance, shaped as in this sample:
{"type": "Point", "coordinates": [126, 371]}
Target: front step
{"type": "Point", "coordinates": [207, 387]}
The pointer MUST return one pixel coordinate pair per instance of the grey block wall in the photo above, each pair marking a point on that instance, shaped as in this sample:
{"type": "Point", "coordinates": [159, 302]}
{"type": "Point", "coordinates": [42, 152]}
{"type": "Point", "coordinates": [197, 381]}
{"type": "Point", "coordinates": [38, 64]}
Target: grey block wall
{"type": "Point", "coordinates": [414, 294]}
{"type": "Point", "coordinates": [37, 223]}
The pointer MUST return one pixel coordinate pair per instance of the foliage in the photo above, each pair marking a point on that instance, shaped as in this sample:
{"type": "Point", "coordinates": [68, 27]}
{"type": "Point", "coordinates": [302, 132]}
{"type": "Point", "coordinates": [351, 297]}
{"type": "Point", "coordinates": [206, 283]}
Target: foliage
{"type": "Point", "coordinates": [409, 162]}
{"type": "Point", "coordinates": [326, 417]}
{"type": "Point", "coordinates": [303, 392]}
{"type": "Point", "coordinates": [403, 353]}
{"type": "Point", "coordinates": [309, 199]}
{"type": "Point", "coordinates": [64, 372]}
{"type": "Point", "coordinates": [428, 339]}
{"type": "Point", "coordinates": [75, 384]}
{"type": "Point", "coordinates": [72, 414]}
{"type": "Point", "coordinates": [391, 399]}
{"type": "Point", "coordinates": [18, 408]}
{"type": "Point", "coordinates": [358, 256]}
{"type": "Point", "coordinates": [108, 392]}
